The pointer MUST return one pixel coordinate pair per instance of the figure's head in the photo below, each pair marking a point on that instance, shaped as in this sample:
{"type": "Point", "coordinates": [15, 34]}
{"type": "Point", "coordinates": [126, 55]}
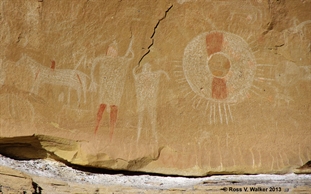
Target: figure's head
{"type": "Point", "coordinates": [147, 67]}
{"type": "Point", "coordinates": [112, 50]}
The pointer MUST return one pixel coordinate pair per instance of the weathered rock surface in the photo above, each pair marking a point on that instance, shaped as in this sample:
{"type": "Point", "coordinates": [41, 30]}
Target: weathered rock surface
{"type": "Point", "coordinates": [48, 176]}
{"type": "Point", "coordinates": [12, 181]}
{"type": "Point", "coordinates": [175, 87]}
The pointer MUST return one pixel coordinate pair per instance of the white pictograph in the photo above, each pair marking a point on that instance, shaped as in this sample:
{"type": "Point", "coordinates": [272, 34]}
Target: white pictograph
{"type": "Point", "coordinates": [287, 75]}
{"type": "Point", "coordinates": [73, 79]}
{"type": "Point", "coordinates": [305, 73]}
{"type": "Point", "coordinates": [147, 83]}
{"type": "Point", "coordinates": [183, 1]}
{"type": "Point", "coordinates": [219, 68]}
{"type": "Point", "coordinates": [300, 29]}
{"type": "Point", "coordinates": [32, 16]}
{"type": "Point", "coordinates": [33, 12]}
{"type": "Point", "coordinates": [112, 74]}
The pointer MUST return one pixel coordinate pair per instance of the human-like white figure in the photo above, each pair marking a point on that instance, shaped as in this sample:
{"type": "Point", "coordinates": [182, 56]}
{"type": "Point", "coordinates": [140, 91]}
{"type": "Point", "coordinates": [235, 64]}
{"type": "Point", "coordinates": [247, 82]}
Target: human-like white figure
{"type": "Point", "coordinates": [112, 74]}
{"type": "Point", "coordinates": [146, 84]}
{"type": "Point", "coordinates": [287, 75]}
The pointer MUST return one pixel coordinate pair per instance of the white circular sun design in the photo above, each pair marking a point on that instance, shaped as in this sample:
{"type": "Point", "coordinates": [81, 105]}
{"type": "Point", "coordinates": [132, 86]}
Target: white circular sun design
{"type": "Point", "coordinates": [220, 68]}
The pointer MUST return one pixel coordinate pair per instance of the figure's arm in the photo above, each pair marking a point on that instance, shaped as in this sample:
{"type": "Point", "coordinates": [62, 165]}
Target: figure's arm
{"type": "Point", "coordinates": [134, 71]}
{"type": "Point", "coordinates": [132, 55]}
{"type": "Point", "coordinates": [93, 84]}
{"type": "Point", "coordinates": [92, 69]}
{"type": "Point", "coordinates": [130, 49]}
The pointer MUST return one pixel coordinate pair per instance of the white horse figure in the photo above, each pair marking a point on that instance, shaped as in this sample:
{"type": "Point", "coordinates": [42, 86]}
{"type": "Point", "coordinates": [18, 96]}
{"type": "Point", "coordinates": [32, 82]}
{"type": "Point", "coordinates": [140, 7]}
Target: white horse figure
{"type": "Point", "coordinates": [73, 79]}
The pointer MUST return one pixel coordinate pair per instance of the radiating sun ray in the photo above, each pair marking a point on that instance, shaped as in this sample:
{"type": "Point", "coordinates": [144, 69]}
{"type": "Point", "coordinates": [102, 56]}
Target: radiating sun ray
{"type": "Point", "coordinates": [264, 79]}
{"type": "Point", "coordinates": [187, 94]}
{"type": "Point", "coordinates": [210, 114]}
{"type": "Point", "coordinates": [193, 99]}
{"type": "Point", "coordinates": [254, 52]}
{"type": "Point", "coordinates": [207, 105]}
{"type": "Point", "coordinates": [196, 103]}
{"type": "Point", "coordinates": [256, 87]}
{"type": "Point", "coordinates": [178, 73]}
{"type": "Point", "coordinates": [253, 42]}
{"type": "Point", "coordinates": [183, 89]}
{"type": "Point", "coordinates": [226, 116]}
{"type": "Point", "coordinates": [177, 61]}
{"type": "Point", "coordinates": [263, 69]}
{"type": "Point", "coordinates": [220, 115]}
{"type": "Point", "coordinates": [265, 65]}
{"type": "Point", "coordinates": [229, 110]}
{"type": "Point", "coordinates": [254, 92]}
{"type": "Point", "coordinates": [178, 67]}
{"type": "Point", "coordinates": [181, 80]}
{"type": "Point", "coordinates": [214, 112]}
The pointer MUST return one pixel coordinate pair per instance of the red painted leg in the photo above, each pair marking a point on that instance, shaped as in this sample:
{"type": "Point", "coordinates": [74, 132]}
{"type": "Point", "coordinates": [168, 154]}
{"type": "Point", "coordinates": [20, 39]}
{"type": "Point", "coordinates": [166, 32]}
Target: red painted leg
{"type": "Point", "coordinates": [113, 119]}
{"type": "Point", "coordinates": [100, 115]}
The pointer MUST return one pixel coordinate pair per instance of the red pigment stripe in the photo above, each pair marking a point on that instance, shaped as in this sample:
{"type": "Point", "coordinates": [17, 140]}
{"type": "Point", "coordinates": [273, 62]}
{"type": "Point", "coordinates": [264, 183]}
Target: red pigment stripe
{"type": "Point", "coordinates": [99, 115]}
{"type": "Point", "coordinates": [53, 65]}
{"type": "Point", "coordinates": [37, 74]}
{"type": "Point", "coordinates": [214, 42]}
{"type": "Point", "coordinates": [79, 79]}
{"type": "Point", "coordinates": [219, 88]}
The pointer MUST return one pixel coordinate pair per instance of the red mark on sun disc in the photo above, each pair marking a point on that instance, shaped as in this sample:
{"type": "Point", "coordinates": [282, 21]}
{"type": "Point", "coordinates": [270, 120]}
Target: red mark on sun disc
{"type": "Point", "coordinates": [214, 42]}
{"type": "Point", "coordinates": [219, 88]}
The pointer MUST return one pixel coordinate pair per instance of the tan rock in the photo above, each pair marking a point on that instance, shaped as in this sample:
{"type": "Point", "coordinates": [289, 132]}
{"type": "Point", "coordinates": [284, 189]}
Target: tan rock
{"type": "Point", "coordinates": [12, 181]}
{"type": "Point", "coordinates": [176, 87]}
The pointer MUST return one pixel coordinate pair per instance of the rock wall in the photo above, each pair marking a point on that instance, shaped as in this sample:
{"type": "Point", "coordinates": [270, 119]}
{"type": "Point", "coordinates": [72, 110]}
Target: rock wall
{"type": "Point", "coordinates": [183, 87]}
{"type": "Point", "coordinates": [48, 176]}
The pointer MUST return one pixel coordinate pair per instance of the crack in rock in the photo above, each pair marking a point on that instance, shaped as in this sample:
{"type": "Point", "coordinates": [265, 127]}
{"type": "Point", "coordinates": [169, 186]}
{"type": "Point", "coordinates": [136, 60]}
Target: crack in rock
{"type": "Point", "coordinates": [154, 31]}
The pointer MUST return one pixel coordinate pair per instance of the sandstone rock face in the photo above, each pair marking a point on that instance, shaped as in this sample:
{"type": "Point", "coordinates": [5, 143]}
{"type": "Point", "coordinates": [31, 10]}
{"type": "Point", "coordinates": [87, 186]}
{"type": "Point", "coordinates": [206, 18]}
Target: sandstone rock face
{"type": "Point", "coordinates": [12, 181]}
{"type": "Point", "coordinates": [176, 87]}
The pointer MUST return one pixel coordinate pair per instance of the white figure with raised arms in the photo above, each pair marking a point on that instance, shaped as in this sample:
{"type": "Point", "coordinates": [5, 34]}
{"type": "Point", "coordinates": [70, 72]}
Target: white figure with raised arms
{"type": "Point", "coordinates": [146, 84]}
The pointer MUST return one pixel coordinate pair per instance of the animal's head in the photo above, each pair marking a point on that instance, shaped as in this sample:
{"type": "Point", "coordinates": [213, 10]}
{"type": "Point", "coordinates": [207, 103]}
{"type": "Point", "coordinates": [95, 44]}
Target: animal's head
{"type": "Point", "coordinates": [112, 50]}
